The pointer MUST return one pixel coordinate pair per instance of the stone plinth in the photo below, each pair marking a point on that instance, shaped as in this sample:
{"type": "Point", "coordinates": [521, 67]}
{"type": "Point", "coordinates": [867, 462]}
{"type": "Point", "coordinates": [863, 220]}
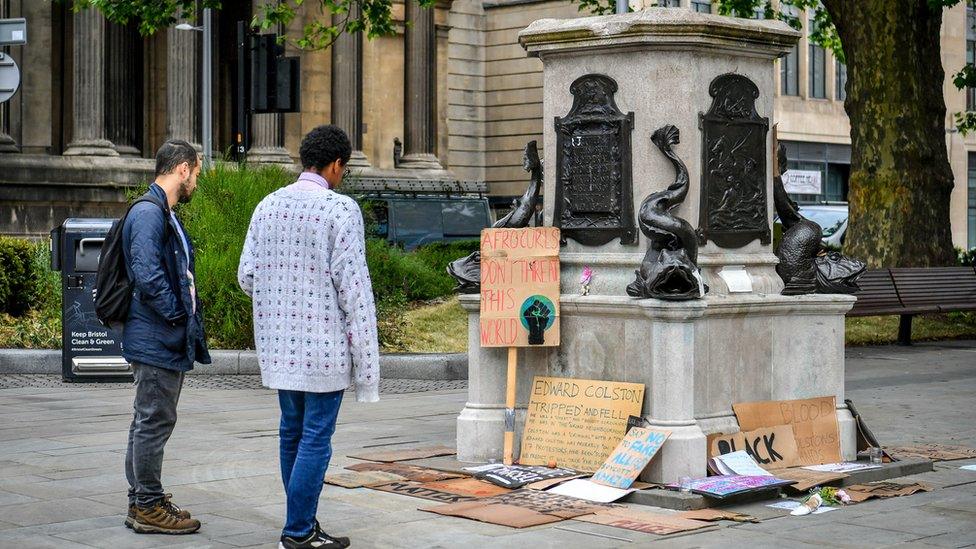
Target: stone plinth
{"type": "Point", "coordinates": [696, 358]}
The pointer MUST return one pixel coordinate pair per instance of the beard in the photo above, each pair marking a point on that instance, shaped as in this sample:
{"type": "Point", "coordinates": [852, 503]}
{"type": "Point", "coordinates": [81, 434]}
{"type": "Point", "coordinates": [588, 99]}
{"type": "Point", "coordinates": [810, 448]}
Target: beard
{"type": "Point", "coordinates": [185, 193]}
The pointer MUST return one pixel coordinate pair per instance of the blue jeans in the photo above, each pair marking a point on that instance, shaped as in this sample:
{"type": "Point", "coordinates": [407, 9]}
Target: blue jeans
{"type": "Point", "coordinates": [308, 421]}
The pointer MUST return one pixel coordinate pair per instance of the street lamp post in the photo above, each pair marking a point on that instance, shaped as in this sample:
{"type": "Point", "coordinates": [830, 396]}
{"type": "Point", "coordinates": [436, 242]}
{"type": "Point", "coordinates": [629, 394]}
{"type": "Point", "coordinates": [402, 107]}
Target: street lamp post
{"type": "Point", "coordinates": [206, 82]}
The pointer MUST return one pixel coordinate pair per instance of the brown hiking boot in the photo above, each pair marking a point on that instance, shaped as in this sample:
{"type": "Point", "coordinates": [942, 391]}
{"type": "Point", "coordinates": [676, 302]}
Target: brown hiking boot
{"type": "Point", "coordinates": [167, 500]}
{"type": "Point", "coordinates": [176, 510]}
{"type": "Point", "coordinates": [160, 519]}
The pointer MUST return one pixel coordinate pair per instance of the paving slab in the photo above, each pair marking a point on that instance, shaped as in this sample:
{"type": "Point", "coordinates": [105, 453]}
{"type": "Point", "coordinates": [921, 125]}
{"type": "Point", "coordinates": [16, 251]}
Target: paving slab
{"type": "Point", "coordinates": [61, 482]}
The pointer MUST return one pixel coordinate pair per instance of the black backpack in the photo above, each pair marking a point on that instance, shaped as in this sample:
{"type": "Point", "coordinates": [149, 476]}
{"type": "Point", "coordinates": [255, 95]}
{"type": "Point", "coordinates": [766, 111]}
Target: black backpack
{"type": "Point", "coordinates": [113, 289]}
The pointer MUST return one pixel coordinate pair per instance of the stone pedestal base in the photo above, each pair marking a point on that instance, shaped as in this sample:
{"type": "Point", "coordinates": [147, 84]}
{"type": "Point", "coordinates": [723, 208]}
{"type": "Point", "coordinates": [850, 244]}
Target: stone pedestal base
{"type": "Point", "coordinates": [91, 147]}
{"type": "Point", "coordinates": [358, 160]}
{"type": "Point", "coordinates": [420, 162]}
{"type": "Point", "coordinates": [269, 155]}
{"type": "Point", "coordinates": [695, 359]}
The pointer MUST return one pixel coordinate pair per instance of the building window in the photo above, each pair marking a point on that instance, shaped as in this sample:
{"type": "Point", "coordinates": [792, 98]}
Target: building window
{"type": "Point", "coordinates": [971, 200]}
{"type": "Point", "coordinates": [669, 3]}
{"type": "Point", "coordinates": [970, 60]}
{"type": "Point", "coordinates": [788, 75]}
{"type": "Point", "coordinates": [702, 6]}
{"type": "Point", "coordinates": [840, 82]}
{"type": "Point", "coordinates": [816, 64]}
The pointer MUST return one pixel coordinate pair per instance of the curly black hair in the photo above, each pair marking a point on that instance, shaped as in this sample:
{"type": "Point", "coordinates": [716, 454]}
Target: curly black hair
{"type": "Point", "coordinates": [323, 146]}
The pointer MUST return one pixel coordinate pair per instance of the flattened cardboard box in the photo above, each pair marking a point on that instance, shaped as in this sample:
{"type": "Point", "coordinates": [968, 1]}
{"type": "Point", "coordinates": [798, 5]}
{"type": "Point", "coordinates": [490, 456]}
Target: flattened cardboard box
{"type": "Point", "coordinates": [643, 521]}
{"type": "Point", "coordinates": [418, 490]}
{"type": "Point", "coordinates": [409, 472]}
{"type": "Point", "coordinates": [520, 509]}
{"type": "Point", "coordinates": [405, 454]}
{"type": "Point", "coordinates": [814, 422]}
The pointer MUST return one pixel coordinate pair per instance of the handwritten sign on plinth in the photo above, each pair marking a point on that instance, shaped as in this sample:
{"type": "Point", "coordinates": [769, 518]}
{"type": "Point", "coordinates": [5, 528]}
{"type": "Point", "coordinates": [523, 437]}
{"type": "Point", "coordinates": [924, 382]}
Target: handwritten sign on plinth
{"type": "Point", "coordinates": [814, 422]}
{"type": "Point", "coordinates": [771, 447]}
{"type": "Point", "coordinates": [577, 423]}
{"type": "Point", "coordinates": [520, 287]}
{"type": "Point", "coordinates": [634, 452]}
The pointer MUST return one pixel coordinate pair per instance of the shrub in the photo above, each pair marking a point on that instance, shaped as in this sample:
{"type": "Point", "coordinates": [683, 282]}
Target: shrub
{"type": "Point", "coordinates": [16, 275]}
{"type": "Point", "coordinates": [217, 219]}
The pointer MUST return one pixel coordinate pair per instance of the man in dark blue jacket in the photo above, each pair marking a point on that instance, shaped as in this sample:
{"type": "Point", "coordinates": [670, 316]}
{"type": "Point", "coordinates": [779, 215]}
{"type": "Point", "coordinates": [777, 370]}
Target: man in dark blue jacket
{"type": "Point", "coordinates": [163, 334]}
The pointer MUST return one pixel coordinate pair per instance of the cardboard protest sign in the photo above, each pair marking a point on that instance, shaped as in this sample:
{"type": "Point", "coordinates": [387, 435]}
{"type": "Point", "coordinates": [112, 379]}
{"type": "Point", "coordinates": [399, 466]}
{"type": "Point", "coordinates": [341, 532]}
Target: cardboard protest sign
{"type": "Point", "coordinates": [520, 508]}
{"type": "Point", "coordinates": [419, 490]}
{"type": "Point", "coordinates": [356, 479]}
{"type": "Point", "coordinates": [728, 485]}
{"type": "Point", "coordinates": [772, 447]}
{"type": "Point", "coordinates": [814, 422]}
{"type": "Point", "coordinates": [712, 515]}
{"type": "Point", "coordinates": [643, 521]}
{"type": "Point", "coordinates": [631, 456]}
{"type": "Point", "coordinates": [520, 287]}
{"type": "Point", "coordinates": [467, 487]}
{"type": "Point", "coordinates": [577, 423]}
{"type": "Point", "coordinates": [863, 492]}
{"type": "Point", "coordinates": [583, 488]}
{"type": "Point", "coordinates": [408, 472]}
{"type": "Point", "coordinates": [934, 452]}
{"type": "Point", "coordinates": [406, 454]}
{"type": "Point", "coordinates": [806, 479]}
{"type": "Point", "coordinates": [516, 476]}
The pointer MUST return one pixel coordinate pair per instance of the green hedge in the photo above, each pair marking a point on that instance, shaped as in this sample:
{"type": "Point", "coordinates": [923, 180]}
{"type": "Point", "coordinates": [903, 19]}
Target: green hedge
{"type": "Point", "coordinates": [30, 296]}
{"type": "Point", "coordinates": [217, 219]}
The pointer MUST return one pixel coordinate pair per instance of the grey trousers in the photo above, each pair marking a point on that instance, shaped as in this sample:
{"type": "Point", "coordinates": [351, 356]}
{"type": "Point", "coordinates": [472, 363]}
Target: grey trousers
{"type": "Point", "coordinates": [157, 392]}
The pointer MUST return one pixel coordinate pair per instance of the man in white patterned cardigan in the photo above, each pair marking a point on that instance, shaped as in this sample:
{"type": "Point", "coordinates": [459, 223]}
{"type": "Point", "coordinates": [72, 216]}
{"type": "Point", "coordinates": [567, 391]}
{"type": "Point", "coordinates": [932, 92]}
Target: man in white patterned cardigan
{"type": "Point", "coordinates": [304, 265]}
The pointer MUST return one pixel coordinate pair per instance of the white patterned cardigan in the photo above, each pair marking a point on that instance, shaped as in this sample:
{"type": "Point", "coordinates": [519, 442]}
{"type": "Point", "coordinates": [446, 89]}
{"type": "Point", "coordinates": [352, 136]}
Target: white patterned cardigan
{"type": "Point", "coordinates": [304, 265]}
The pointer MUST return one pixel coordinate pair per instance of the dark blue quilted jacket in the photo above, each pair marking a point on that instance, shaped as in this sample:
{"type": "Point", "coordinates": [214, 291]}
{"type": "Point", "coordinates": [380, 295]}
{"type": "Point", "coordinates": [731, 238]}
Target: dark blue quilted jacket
{"type": "Point", "coordinates": [160, 330]}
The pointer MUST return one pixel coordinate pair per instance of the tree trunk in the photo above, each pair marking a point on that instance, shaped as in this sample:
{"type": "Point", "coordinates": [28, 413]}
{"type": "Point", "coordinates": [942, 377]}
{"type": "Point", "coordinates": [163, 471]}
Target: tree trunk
{"type": "Point", "coordinates": [900, 175]}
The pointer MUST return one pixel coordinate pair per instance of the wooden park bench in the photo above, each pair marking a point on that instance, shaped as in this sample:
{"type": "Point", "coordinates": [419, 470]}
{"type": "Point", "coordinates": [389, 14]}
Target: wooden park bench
{"type": "Point", "coordinates": [911, 291]}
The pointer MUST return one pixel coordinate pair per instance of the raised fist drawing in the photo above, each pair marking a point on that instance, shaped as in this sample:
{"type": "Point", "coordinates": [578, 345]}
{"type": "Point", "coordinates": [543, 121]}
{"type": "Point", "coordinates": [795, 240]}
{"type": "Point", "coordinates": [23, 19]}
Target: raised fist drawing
{"type": "Point", "coordinates": [537, 317]}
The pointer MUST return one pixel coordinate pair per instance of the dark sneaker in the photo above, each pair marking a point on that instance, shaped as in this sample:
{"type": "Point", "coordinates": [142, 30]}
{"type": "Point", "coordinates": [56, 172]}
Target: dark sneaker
{"type": "Point", "coordinates": [159, 519]}
{"type": "Point", "coordinates": [316, 540]}
{"type": "Point", "coordinates": [343, 540]}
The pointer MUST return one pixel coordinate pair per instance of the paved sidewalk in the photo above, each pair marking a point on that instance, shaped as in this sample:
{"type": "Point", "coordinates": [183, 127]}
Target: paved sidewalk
{"type": "Point", "coordinates": [61, 481]}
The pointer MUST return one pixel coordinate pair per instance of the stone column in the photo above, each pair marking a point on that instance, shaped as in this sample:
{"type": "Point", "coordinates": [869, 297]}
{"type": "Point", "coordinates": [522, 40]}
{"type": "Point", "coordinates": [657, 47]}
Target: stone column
{"type": "Point", "coordinates": [124, 89]}
{"type": "Point", "coordinates": [183, 85]}
{"type": "Point", "coordinates": [420, 89]}
{"type": "Point", "coordinates": [7, 143]}
{"type": "Point", "coordinates": [89, 137]}
{"type": "Point", "coordinates": [347, 88]}
{"type": "Point", "coordinates": [268, 140]}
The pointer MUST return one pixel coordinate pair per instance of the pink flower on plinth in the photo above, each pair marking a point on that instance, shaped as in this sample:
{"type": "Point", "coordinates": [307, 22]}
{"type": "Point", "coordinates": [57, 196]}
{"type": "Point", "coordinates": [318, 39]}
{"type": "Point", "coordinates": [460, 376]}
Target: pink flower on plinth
{"type": "Point", "coordinates": [586, 276]}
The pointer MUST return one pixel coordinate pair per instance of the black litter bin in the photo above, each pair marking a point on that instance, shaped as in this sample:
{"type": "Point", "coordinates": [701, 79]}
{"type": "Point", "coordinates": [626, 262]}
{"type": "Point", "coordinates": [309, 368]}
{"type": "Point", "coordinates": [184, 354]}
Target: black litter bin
{"type": "Point", "coordinates": [90, 351]}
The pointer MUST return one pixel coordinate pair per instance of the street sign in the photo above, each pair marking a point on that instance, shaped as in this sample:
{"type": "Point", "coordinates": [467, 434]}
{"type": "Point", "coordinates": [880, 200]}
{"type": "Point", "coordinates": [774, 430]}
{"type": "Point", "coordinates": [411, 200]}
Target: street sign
{"type": "Point", "coordinates": [9, 77]}
{"type": "Point", "coordinates": [13, 32]}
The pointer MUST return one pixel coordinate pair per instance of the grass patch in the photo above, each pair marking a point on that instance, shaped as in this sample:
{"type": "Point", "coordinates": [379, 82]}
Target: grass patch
{"type": "Point", "coordinates": [437, 327]}
{"type": "Point", "coordinates": [876, 330]}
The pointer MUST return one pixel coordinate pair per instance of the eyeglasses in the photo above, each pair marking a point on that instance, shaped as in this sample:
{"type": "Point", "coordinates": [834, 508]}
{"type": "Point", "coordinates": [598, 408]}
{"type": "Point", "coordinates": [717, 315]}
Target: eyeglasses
{"type": "Point", "coordinates": [345, 172]}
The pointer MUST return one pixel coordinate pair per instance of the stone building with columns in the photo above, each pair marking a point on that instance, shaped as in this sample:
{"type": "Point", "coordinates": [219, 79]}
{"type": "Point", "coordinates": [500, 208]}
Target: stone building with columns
{"type": "Point", "coordinates": [453, 85]}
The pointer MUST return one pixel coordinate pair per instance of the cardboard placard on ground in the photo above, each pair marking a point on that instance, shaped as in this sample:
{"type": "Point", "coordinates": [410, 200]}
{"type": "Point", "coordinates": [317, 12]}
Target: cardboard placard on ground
{"type": "Point", "coordinates": [729, 485]}
{"type": "Point", "coordinates": [520, 287]}
{"type": "Point", "coordinates": [408, 472]}
{"type": "Point", "coordinates": [583, 488]}
{"type": "Point", "coordinates": [358, 479]}
{"type": "Point", "coordinates": [712, 515]}
{"type": "Point", "coordinates": [771, 447]}
{"type": "Point", "coordinates": [814, 422]}
{"type": "Point", "coordinates": [547, 484]}
{"type": "Point", "coordinates": [577, 423]}
{"type": "Point", "coordinates": [806, 479]}
{"type": "Point", "coordinates": [520, 508]}
{"type": "Point", "coordinates": [516, 476]}
{"type": "Point", "coordinates": [467, 487]}
{"type": "Point", "coordinates": [643, 521]}
{"type": "Point", "coordinates": [863, 492]}
{"type": "Point", "coordinates": [934, 452]}
{"type": "Point", "coordinates": [630, 457]}
{"type": "Point", "coordinates": [387, 456]}
{"type": "Point", "coordinates": [418, 490]}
